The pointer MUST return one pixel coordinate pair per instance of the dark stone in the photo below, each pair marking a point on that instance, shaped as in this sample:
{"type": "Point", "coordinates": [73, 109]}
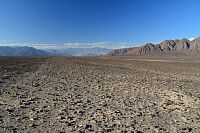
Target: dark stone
{"type": "Point", "coordinates": [70, 124]}
{"type": "Point", "coordinates": [34, 125]}
{"type": "Point", "coordinates": [35, 84]}
{"type": "Point", "coordinates": [62, 118]}
{"type": "Point", "coordinates": [5, 77]}
{"type": "Point", "coordinates": [14, 130]}
{"type": "Point", "coordinates": [18, 87]}
{"type": "Point", "coordinates": [189, 129]}
{"type": "Point", "coordinates": [88, 126]}
{"type": "Point", "coordinates": [140, 114]}
{"type": "Point", "coordinates": [10, 110]}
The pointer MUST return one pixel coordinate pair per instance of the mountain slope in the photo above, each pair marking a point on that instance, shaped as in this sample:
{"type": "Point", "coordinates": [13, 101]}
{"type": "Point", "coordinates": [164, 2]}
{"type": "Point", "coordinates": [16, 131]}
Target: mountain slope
{"type": "Point", "coordinates": [30, 51]}
{"type": "Point", "coordinates": [167, 47]}
{"type": "Point", "coordinates": [21, 51]}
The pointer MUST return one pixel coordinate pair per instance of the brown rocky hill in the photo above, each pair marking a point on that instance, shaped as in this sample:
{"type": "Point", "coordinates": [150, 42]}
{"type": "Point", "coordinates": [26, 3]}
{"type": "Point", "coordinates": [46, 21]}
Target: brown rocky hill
{"type": "Point", "coordinates": [167, 47]}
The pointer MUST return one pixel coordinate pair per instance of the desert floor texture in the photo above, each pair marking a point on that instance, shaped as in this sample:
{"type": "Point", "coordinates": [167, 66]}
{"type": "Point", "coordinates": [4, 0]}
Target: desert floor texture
{"type": "Point", "coordinates": [100, 94]}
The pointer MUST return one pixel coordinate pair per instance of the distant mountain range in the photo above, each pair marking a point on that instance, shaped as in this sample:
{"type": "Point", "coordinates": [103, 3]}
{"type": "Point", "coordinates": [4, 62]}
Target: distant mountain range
{"type": "Point", "coordinates": [21, 51]}
{"type": "Point", "coordinates": [30, 51]}
{"type": "Point", "coordinates": [167, 47]}
{"type": "Point", "coordinates": [96, 51]}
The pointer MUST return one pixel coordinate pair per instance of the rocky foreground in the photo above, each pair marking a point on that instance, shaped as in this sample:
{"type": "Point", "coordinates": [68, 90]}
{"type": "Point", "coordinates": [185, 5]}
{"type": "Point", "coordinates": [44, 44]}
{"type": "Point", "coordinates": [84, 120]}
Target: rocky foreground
{"type": "Point", "coordinates": [63, 95]}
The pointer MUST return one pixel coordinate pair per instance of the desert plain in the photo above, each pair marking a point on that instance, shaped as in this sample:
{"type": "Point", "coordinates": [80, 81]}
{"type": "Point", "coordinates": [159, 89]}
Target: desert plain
{"type": "Point", "coordinates": [100, 94]}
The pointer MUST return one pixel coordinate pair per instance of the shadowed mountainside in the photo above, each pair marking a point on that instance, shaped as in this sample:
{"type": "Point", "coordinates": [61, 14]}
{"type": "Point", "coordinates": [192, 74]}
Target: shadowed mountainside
{"type": "Point", "coordinates": [21, 51]}
{"type": "Point", "coordinates": [30, 51]}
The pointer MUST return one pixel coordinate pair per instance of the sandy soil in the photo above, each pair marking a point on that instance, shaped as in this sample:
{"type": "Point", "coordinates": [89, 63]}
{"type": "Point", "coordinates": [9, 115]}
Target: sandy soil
{"type": "Point", "coordinates": [64, 95]}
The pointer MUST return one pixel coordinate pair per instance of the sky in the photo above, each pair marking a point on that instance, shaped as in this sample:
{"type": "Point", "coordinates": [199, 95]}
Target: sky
{"type": "Point", "coordinates": [104, 23]}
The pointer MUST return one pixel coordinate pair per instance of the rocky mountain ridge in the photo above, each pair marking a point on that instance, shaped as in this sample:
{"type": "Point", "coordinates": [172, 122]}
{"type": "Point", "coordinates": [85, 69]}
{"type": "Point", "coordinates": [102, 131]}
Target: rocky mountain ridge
{"type": "Point", "coordinates": [167, 47]}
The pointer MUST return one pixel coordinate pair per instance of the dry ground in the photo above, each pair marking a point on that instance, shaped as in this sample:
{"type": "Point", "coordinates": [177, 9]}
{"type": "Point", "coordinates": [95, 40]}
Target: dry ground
{"type": "Point", "coordinates": [104, 94]}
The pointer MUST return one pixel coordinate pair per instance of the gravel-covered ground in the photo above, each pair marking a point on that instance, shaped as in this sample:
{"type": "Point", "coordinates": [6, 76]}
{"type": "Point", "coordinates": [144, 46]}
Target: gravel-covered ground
{"type": "Point", "coordinates": [104, 94]}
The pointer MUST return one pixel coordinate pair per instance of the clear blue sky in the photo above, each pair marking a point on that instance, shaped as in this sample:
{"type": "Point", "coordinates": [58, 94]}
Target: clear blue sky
{"type": "Point", "coordinates": [115, 21]}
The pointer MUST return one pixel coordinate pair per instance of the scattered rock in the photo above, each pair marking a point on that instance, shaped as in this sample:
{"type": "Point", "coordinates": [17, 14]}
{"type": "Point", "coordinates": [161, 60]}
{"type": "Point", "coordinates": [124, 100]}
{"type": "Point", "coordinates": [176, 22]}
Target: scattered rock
{"type": "Point", "coordinates": [5, 77]}
{"type": "Point", "coordinates": [35, 84]}
{"type": "Point", "coordinates": [102, 95]}
{"type": "Point", "coordinates": [189, 129]}
{"type": "Point", "coordinates": [88, 126]}
{"type": "Point", "coordinates": [1, 81]}
{"type": "Point", "coordinates": [10, 109]}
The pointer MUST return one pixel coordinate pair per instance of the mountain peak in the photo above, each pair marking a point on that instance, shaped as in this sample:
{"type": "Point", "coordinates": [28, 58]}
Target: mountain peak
{"type": "Point", "coordinates": [170, 47]}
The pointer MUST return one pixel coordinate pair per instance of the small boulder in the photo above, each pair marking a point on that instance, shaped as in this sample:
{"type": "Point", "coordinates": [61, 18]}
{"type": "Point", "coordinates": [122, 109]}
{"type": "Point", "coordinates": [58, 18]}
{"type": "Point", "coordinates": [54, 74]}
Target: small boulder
{"type": "Point", "coordinates": [88, 126]}
{"type": "Point", "coordinates": [5, 76]}
{"type": "Point", "coordinates": [10, 109]}
{"type": "Point", "coordinates": [35, 84]}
